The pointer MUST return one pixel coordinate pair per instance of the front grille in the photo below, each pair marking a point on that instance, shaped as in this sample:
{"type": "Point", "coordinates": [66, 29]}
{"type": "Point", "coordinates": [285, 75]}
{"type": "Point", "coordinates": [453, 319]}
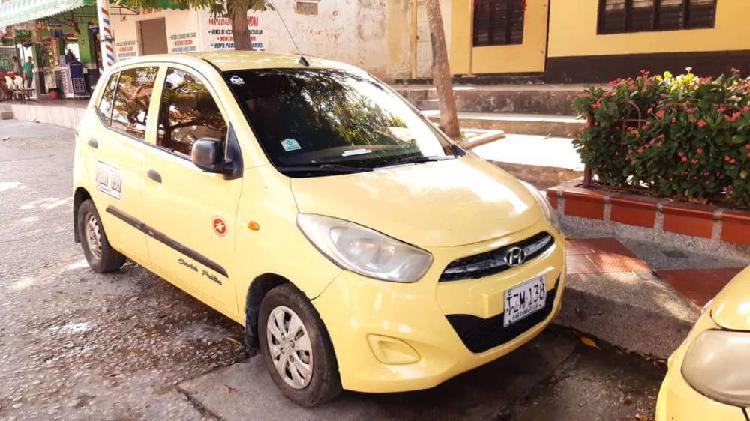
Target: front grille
{"type": "Point", "coordinates": [494, 261]}
{"type": "Point", "coordinates": [479, 335]}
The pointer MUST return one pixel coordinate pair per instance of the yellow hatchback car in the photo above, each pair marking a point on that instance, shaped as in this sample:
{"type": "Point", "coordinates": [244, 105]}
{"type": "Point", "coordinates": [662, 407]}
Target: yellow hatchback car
{"type": "Point", "coordinates": [304, 199]}
{"type": "Point", "coordinates": [708, 376]}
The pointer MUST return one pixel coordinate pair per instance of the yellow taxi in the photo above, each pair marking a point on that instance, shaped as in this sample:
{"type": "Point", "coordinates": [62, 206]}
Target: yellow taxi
{"type": "Point", "coordinates": [304, 199]}
{"type": "Point", "coordinates": [708, 376]}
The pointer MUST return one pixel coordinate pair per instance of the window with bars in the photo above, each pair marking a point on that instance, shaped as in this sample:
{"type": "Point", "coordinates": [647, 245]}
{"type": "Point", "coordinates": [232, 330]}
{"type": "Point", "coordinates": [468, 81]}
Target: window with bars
{"type": "Point", "coordinates": [498, 22]}
{"type": "Point", "coordinates": [618, 16]}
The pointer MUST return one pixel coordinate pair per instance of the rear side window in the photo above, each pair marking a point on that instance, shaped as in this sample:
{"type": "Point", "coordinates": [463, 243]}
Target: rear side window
{"type": "Point", "coordinates": [187, 113]}
{"type": "Point", "coordinates": [132, 97]}
{"type": "Point", "coordinates": [104, 108]}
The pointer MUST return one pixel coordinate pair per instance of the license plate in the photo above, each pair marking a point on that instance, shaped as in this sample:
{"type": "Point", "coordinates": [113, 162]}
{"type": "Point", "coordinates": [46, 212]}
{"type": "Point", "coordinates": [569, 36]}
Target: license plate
{"type": "Point", "coordinates": [524, 299]}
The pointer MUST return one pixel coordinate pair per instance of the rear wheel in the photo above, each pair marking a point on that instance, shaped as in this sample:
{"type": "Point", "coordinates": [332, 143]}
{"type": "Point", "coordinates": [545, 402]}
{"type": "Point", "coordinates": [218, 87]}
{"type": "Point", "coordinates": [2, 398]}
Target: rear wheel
{"type": "Point", "coordinates": [99, 253]}
{"type": "Point", "coordinates": [296, 348]}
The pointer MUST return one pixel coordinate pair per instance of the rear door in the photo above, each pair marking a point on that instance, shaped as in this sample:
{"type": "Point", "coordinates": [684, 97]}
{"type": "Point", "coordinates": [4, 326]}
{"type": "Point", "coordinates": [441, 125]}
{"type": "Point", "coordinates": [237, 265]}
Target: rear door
{"type": "Point", "coordinates": [192, 212]}
{"type": "Point", "coordinates": [117, 154]}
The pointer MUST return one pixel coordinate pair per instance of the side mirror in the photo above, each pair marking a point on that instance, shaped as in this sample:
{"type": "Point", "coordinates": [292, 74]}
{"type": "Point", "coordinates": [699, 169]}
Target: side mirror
{"type": "Point", "coordinates": [207, 154]}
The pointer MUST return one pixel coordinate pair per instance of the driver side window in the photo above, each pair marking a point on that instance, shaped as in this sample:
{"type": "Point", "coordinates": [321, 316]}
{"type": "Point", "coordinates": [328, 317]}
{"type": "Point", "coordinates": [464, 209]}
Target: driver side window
{"type": "Point", "coordinates": [187, 113]}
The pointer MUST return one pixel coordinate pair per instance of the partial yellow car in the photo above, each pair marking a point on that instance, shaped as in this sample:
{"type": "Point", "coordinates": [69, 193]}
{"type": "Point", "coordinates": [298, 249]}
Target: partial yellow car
{"type": "Point", "coordinates": [360, 248]}
{"type": "Point", "coordinates": [708, 376]}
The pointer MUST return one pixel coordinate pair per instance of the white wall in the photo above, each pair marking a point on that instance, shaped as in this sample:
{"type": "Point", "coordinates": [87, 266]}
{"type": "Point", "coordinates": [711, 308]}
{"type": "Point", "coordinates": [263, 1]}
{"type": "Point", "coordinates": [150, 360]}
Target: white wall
{"type": "Point", "coordinates": [181, 28]}
{"type": "Point", "coordinates": [350, 31]}
{"type": "Point", "coordinates": [345, 30]}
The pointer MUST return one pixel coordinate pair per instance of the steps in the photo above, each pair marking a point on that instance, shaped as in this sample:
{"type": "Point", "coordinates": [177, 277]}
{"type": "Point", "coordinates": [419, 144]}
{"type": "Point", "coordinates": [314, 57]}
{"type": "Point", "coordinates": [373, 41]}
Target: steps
{"type": "Point", "coordinates": [524, 99]}
{"type": "Point", "coordinates": [543, 110]}
{"type": "Point", "coordinates": [537, 119]}
{"type": "Point", "coordinates": [530, 124]}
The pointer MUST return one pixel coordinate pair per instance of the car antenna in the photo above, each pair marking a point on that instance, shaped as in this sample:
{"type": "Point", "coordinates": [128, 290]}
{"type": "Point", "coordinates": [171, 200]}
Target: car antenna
{"type": "Point", "coordinates": [302, 60]}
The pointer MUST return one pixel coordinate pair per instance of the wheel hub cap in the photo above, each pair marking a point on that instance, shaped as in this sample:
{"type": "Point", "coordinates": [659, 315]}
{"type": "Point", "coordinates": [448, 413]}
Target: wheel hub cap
{"type": "Point", "coordinates": [93, 236]}
{"type": "Point", "coordinates": [290, 347]}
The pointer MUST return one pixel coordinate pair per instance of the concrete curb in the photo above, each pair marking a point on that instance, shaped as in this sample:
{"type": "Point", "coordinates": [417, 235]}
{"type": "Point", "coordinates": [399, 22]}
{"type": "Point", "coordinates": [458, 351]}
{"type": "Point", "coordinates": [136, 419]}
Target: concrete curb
{"type": "Point", "coordinates": [63, 115]}
{"type": "Point", "coordinates": [634, 311]}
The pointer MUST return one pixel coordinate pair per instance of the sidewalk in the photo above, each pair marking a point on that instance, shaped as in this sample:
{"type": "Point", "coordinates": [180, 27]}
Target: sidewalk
{"type": "Point", "coordinates": [63, 113]}
{"type": "Point", "coordinates": [639, 296]}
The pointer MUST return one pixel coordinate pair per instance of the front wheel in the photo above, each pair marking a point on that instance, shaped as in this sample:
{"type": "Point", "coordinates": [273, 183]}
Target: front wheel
{"type": "Point", "coordinates": [296, 348]}
{"type": "Point", "coordinates": [100, 255]}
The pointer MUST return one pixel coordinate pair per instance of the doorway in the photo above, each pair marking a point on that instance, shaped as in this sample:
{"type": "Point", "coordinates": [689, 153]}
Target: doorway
{"type": "Point", "coordinates": [153, 36]}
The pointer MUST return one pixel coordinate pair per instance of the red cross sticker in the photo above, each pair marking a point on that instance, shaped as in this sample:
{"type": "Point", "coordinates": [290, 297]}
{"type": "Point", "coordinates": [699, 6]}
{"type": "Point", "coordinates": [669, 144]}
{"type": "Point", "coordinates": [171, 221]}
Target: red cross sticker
{"type": "Point", "coordinates": [220, 228]}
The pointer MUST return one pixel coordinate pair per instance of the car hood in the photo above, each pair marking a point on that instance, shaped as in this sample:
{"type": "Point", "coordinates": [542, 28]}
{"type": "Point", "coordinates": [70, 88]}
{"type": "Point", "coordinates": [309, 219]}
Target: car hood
{"type": "Point", "coordinates": [730, 309]}
{"type": "Point", "coordinates": [442, 203]}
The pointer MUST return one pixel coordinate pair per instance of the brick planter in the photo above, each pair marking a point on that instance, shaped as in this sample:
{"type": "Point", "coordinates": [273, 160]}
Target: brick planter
{"type": "Point", "coordinates": [584, 203]}
{"type": "Point", "coordinates": [695, 221]}
{"type": "Point", "coordinates": [633, 210]}
{"type": "Point", "coordinates": [735, 227]}
{"type": "Point", "coordinates": [731, 227]}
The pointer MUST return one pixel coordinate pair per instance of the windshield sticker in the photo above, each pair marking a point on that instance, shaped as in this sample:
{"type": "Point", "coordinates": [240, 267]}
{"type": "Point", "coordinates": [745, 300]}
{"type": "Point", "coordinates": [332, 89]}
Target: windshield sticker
{"type": "Point", "coordinates": [108, 180]}
{"type": "Point", "coordinates": [237, 81]}
{"type": "Point", "coordinates": [290, 145]}
{"type": "Point", "coordinates": [361, 151]}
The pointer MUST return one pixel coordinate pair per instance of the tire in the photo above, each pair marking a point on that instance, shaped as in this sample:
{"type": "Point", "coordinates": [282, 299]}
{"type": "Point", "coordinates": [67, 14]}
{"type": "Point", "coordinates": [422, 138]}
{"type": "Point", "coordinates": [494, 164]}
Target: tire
{"type": "Point", "coordinates": [100, 255]}
{"type": "Point", "coordinates": [323, 382]}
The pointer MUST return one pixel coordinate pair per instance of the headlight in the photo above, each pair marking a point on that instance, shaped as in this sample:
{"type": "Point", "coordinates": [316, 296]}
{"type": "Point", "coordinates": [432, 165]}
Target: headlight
{"type": "Point", "coordinates": [363, 250]}
{"type": "Point", "coordinates": [549, 211]}
{"type": "Point", "coordinates": [715, 365]}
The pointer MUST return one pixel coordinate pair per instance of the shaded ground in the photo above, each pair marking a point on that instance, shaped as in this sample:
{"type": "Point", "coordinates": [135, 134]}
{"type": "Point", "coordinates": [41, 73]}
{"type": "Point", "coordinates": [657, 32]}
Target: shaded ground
{"type": "Point", "coordinates": [554, 377]}
{"type": "Point", "coordinates": [77, 345]}
{"type": "Point", "coordinates": [594, 384]}
{"type": "Point", "coordinates": [74, 344]}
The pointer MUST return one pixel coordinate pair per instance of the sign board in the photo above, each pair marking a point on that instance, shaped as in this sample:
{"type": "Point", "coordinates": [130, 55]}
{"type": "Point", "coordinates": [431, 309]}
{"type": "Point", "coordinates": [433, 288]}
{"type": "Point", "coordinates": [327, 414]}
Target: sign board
{"type": "Point", "coordinates": [220, 33]}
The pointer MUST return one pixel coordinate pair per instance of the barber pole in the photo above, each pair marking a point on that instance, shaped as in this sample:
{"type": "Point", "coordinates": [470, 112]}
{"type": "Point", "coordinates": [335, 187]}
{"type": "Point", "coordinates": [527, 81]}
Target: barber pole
{"type": "Point", "coordinates": [105, 33]}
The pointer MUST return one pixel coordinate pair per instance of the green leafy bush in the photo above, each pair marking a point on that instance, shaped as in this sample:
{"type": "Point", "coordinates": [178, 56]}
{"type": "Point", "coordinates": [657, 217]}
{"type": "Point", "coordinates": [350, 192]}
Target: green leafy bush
{"type": "Point", "coordinates": [682, 137]}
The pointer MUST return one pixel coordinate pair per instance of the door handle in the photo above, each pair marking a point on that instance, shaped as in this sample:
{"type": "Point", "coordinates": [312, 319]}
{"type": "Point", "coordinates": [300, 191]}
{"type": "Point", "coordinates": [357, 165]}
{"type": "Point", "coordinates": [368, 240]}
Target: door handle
{"type": "Point", "coordinates": [155, 176]}
{"type": "Point", "coordinates": [94, 143]}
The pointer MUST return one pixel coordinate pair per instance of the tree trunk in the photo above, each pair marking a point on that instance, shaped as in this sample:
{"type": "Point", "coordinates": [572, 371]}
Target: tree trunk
{"type": "Point", "coordinates": [441, 73]}
{"type": "Point", "coordinates": [239, 29]}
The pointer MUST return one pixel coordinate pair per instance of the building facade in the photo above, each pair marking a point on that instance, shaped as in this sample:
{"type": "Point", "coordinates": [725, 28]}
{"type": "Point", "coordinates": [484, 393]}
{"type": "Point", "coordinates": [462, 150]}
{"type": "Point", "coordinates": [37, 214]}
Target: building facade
{"type": "Point", "coordinates": [553, 40]}
{"type": "Point", "coordinates": [352, 32]}
{"type": "Point", "coordinates": [598, 40]}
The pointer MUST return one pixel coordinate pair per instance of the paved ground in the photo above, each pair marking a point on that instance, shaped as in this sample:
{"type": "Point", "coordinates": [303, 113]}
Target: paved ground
{"type": "Point", "coordinates": [614, 295]}
{"type": "Point", "coordinates": [77, 345]}
{"type": "Point", "coordinates": [73, 344]}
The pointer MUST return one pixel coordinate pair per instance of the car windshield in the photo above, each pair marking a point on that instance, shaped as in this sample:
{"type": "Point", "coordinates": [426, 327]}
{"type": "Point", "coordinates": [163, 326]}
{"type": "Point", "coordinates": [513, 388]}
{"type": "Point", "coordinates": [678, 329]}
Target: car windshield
{"type": "Point", "coordinates": [315, 121]}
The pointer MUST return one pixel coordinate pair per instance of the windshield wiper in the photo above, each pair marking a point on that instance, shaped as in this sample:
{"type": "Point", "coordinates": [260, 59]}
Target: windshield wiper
{"type": "Point", "coordinates": [322, 168]}
{"type": "Point", "coordinates": [418, 159]}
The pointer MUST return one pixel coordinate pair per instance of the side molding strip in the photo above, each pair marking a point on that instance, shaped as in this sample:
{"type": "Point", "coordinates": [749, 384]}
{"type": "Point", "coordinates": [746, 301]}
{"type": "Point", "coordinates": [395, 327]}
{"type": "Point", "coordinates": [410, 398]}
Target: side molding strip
{"type": "Point", "coordinates": [167, 241]}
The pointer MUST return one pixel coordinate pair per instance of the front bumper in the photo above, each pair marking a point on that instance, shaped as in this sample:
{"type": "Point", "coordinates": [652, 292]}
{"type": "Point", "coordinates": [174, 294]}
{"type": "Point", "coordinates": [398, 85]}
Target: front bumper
{"type": "Point", "coordinates": [418, 324]}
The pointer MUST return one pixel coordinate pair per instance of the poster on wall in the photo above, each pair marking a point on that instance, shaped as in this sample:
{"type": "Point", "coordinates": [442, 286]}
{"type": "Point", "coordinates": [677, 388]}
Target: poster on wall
{"type": "Point", "coordinates": [183, 43]}
{"type": "Point", "coordinates": [220, 33]}
{"type": "Point", "coordinates": [126, 49]}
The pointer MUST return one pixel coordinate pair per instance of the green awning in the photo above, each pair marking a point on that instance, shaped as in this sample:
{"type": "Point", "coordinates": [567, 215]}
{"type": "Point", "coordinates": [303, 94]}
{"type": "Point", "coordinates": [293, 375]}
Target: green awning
{"type": "Point", "coordinates": [150, 4]}
{"type": "Point", "coordinates": [19, 11]}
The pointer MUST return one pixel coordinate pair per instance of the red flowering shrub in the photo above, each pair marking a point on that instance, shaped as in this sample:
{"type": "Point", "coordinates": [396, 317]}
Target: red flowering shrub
{"type": "Point", "coordinates": [682, 137]}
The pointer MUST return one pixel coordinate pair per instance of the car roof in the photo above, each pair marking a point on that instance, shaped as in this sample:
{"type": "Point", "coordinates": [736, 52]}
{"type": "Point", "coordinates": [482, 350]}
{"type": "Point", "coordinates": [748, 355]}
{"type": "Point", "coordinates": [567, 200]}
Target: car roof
{"type": "Point", "coordinates": [243, 60]}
